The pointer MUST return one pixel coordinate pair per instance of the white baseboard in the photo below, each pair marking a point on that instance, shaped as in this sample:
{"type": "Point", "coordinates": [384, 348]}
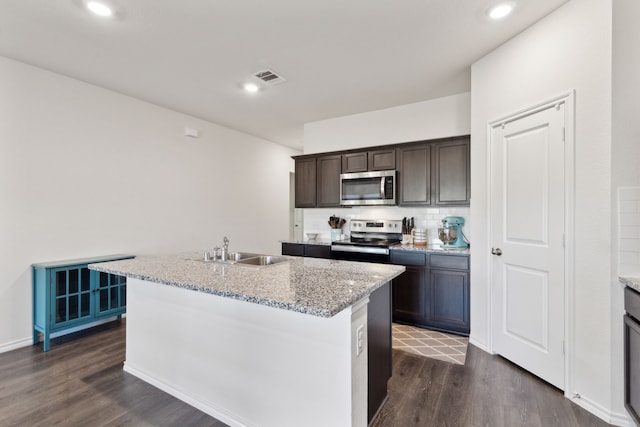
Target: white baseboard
{"type": "Point", "coordinates": [615, 418]}
{"type": "Point", "coordinates": [206, 407]}
{"type": "Point", "coordinates": [13, 345]}
{"type": "Point", "coordinates": [480, 345]}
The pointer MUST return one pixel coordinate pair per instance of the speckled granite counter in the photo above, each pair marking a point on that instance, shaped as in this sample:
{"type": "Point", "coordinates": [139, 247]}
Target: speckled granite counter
{"type": "Point", "coordinates": [631, 281]}
{"type": "Point", "coordinates": [318, 287]}
{"type": "Point", "coordinates": [430, 248]}
{"type": "Point", "coordinates": [322, 242]}
{"type": "Point", "coordinates": [398, 247]}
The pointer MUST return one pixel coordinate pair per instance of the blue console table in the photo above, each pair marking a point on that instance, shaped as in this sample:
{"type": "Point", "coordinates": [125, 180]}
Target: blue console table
{"type": "Point", "coordinates": [66, 295]}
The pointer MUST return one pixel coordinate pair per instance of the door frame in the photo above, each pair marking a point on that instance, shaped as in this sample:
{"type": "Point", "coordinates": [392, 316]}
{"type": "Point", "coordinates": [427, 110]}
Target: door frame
{"type": "Point", "coordinates": [569, 214]}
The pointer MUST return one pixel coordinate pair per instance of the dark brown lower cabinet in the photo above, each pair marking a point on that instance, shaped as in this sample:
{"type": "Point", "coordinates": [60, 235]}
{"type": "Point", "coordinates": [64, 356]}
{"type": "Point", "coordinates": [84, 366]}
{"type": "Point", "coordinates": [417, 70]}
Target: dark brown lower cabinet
{"type": "Point", "coordinates": [632, 354]}
{"type": "Point", "coordinates": [409, 295]}
{"type": "Point", "coordinates": [379, 363]}
{"type": "Point", "coordinates": [449, 300]}
{"type": "Point", "coordinates": [433, 292]}
{"type": "Point", "coordinates": [308, 250]}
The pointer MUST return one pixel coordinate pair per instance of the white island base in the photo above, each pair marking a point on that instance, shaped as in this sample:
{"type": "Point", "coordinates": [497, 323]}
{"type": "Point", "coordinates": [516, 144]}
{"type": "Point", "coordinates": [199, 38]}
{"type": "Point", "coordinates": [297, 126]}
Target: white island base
{"type": "Point", "coordinates": [248, 364]}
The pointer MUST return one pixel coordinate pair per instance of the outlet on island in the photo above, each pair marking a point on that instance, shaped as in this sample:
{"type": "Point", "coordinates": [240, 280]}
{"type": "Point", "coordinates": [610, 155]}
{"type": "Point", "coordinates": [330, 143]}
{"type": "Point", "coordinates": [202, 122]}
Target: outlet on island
{"type": "Point", "coordinates": [359, 339]}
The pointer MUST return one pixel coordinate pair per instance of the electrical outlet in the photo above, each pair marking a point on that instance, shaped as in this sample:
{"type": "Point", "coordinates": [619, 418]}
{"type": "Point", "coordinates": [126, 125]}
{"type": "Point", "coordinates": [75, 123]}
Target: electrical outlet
{"type": "Point", "coordinates": [359, 340]}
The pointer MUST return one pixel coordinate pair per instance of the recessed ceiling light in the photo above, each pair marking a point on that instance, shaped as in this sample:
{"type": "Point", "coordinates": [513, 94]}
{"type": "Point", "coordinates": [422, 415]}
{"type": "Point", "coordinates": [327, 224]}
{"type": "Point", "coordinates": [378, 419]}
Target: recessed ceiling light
{"type": "Point", "coordinates": [250, 87]}
{"type": "Point", "coordinates": [99, 9]}
{"type": "Point", "coordinates": [500, 11]}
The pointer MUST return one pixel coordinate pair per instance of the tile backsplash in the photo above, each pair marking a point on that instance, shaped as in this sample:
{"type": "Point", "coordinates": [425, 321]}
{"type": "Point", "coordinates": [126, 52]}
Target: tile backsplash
{"type": "Point", "coordinates": [629, 232]}
{"type": "Point", "coordinates": [315, 220]}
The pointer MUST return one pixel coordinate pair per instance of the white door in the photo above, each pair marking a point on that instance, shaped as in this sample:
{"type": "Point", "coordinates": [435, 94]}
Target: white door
{"type": "Point", "coordinates": [527, 226]}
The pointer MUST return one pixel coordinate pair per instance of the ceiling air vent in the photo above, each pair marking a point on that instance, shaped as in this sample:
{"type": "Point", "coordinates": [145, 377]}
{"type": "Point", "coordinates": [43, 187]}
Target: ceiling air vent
{"type": "Point", "coordinates": [269, 77]}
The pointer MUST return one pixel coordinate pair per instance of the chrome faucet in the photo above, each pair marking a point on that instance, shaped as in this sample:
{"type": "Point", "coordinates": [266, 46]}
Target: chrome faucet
{"type": "Point", "coordinates": [224, 254]}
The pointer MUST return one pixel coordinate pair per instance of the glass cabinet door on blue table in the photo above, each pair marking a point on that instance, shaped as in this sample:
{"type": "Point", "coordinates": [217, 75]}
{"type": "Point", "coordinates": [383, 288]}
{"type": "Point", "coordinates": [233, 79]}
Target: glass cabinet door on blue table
{"type": "Point", "coordinates": [66, 295]}
{"type": "Point", "coordinates": [111, 293]}
{"type": "Point", "coordinates": [72, 302]}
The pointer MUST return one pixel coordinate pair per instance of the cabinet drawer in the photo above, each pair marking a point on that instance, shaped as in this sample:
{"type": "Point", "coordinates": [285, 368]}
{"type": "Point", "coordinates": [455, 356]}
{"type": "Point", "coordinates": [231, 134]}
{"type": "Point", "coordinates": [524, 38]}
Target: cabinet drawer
{"type": "Point", "coordinates": [632, 302]}
{"type": "Point", "coordinates": [450, 261]}
{"type": "Point", "coordinates": [408, 258]}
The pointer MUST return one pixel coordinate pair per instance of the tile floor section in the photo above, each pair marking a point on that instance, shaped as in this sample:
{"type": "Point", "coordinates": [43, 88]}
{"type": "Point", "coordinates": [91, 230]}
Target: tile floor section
{"type": "Point", "coordinates": [424, 342]}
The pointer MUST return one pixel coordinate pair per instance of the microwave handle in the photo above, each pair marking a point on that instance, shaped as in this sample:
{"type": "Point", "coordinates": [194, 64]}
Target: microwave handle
{"type": "Point", "coordinates": [382, 187]}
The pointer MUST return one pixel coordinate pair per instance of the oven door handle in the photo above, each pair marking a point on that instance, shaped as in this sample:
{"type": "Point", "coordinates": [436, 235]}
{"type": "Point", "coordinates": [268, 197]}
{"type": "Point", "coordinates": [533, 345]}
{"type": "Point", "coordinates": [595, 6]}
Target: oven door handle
{"type": "Point", "coordinates": [360, 249]}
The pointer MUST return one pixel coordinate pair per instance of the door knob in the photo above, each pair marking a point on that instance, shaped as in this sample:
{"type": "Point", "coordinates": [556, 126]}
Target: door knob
{"type": "Point", "coordinates": [496, 251]}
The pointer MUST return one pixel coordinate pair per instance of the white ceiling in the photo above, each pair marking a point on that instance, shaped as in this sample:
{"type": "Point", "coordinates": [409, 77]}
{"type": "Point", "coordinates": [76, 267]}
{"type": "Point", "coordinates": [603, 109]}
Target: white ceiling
{"type": "Point", "coordinates": [339, 56]}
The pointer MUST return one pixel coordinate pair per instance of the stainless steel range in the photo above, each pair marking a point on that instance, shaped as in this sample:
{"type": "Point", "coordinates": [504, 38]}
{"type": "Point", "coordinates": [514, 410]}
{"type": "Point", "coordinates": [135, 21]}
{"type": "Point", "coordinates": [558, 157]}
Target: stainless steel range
{"type": "Point", "coordinates": [370, 240]}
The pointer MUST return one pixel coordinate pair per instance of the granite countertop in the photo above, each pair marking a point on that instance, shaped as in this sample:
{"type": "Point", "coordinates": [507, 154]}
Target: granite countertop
{"type": "Point", "coordinates": [322, 242]}
{"type": "Point", "coordinates": [398, 247]}
{"type": "Point", "coordinates": [319, 287]}
{"type": "Point", "coordinates": [429, 248]}
{"type": "Point", "coordinates": [631, 281]}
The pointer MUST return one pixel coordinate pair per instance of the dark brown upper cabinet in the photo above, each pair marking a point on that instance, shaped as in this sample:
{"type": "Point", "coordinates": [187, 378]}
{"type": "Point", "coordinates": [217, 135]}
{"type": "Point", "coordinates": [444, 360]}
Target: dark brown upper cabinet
{"type": "Point", "coordinates": [451, 180]}
{"type": "Point", "coordinates": [430, 173]}
{"type": "Point", "coordinates": [435, 173]}
{"type": "Point", "coordinates": [364, 161]}
{"type": "Point", "coordinates": [414, 175]}
{"type": "Point", "coordinates": [382, 160]}
{"type": "Point", "coordinates": [328, 181]}
{"type": "Point", "coordinates": [305, 182]}
{"type": "Point", "coordinates": [354, 162]}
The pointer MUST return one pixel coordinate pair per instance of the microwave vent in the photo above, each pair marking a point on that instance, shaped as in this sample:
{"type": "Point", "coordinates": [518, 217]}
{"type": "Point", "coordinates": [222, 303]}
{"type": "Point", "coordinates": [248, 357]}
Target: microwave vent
{"type": "Point", "coordinates": [269, 77]}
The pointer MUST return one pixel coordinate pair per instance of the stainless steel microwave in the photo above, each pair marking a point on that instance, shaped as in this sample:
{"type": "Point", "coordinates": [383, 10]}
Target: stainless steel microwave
{"type": "Point", "coordinates": [368, 188]}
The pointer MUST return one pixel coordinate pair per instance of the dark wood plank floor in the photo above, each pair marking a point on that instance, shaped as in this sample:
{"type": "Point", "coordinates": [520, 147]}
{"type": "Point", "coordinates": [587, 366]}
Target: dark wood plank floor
{"type": "Point", "coordinates": [486, 391]}
{"type": "Point", "coordinates": [80, 382]}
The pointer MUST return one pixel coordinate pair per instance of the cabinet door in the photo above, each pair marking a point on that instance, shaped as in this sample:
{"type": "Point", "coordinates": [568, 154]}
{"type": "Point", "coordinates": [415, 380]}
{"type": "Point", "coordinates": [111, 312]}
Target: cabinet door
{"type": "Point", "coordinates": [305, 183]}
{"type": "Point", "coordinates": [414, 175]}
{"type": "Point", "coordinates": [382, 160]}
{"type": "Point", "coordinates": [354, 162]}
{"type": "Point", "coordinates": [294, 249]}
{"type": "Point", "coordinates": [71, 295]}
{"type": "Point", "coordinates": [451, 177]}
{"type": "Point", "coordinates": [632, 367]}
{"type": "Point", "coordinates": [317, 251]}
{"type": "Point", "coordinates": [409, 295]}
{"type": "Point", "coordinates": [111, 293]}
{"type": "Point", "coordinates": [328, 181]}
{"type": "Point", "coordinates": [449, 300]}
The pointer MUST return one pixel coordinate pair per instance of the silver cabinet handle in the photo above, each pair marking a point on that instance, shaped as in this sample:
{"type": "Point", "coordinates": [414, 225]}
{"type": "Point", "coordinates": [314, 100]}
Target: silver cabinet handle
{"type": "Point", "coordinates": [496, 251]}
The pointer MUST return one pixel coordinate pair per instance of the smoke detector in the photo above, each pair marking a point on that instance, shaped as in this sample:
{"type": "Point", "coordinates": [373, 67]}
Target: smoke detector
{"type": "Point", "coordinates": [269, 77]}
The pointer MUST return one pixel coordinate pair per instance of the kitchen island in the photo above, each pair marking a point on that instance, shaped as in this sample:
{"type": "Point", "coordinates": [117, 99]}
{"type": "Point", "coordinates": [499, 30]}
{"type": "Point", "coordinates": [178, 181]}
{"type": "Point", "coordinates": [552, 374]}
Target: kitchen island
{"type": "Point", "coordinates": [275, 345]}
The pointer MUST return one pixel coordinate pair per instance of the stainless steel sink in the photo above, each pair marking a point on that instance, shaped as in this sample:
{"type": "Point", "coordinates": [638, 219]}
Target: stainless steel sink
{"type": "Point", "coordinates": [263, 260]}
{"type": "Point", "coordinates": [239, 256]}
{"type": "Point", "coordinates": [249, 259]}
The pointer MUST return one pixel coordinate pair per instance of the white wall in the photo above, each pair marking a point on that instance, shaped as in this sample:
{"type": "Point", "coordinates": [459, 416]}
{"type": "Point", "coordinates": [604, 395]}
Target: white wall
{"type": "Point", "coordinates": [84, 171]}
{"type": "Point", "coordinates": [436, 118]}
{"type": "Point", "coordinates": [568, 50]}
{"type": "Point", "coordinates": [625, 176]}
